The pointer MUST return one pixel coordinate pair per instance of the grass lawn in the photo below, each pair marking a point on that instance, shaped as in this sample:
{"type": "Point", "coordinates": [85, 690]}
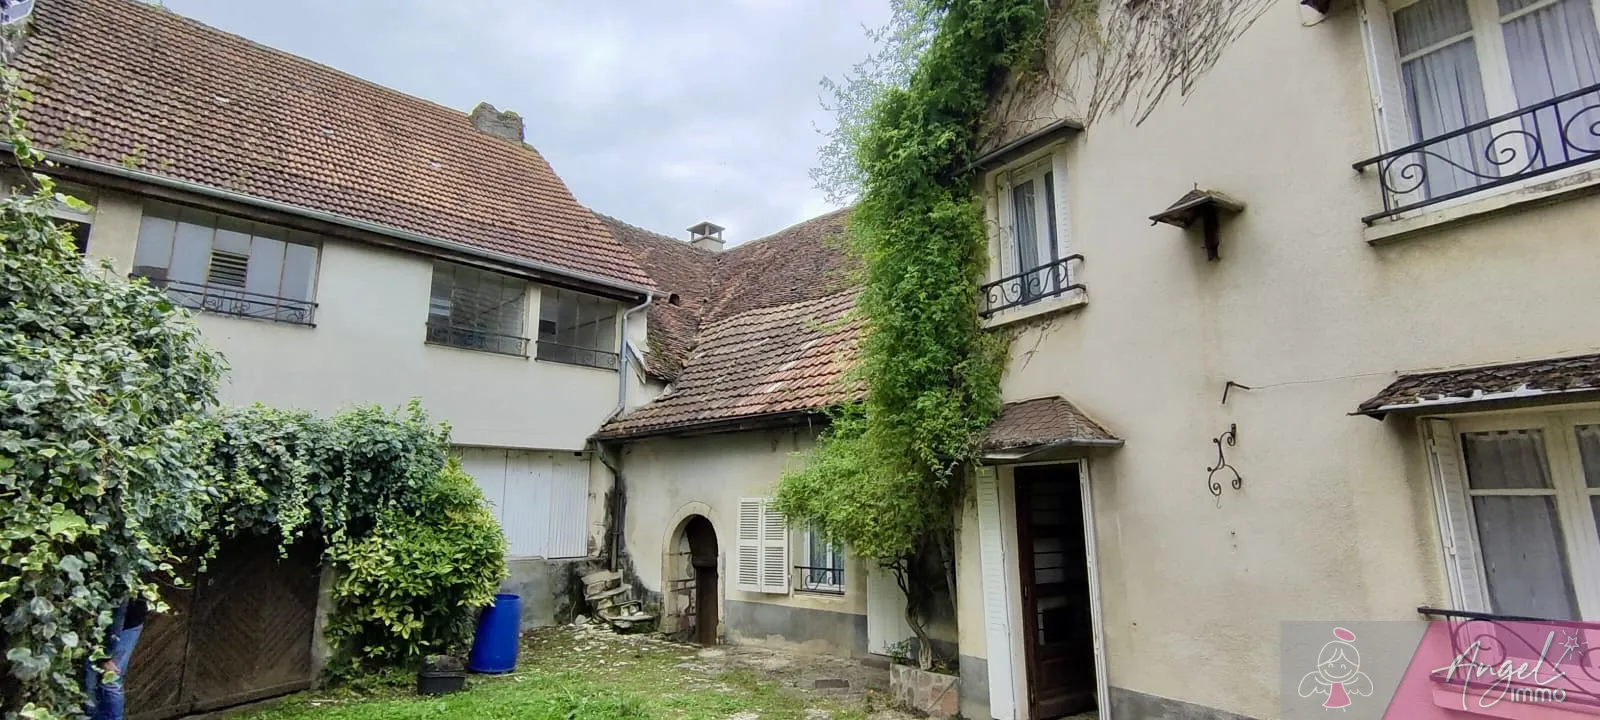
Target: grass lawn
{"type": "Point", "coordinates": [590, 674]}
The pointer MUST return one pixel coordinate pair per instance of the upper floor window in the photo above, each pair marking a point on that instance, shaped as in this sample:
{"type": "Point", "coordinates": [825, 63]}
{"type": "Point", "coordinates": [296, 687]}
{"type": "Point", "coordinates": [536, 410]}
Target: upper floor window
{"type": "Point", "coordinates": [1479, 93]}
{"type": "Point", "coordinates": [477, 310]}
{"type": "Point", "coordinates": [578, 329]}
{"type": "Point", "coordinates": [226, 265]}
{"type": "Point", "coordinates": [1033, 261]}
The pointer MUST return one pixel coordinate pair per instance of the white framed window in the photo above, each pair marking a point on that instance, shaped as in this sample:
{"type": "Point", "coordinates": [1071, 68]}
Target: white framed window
{"type": "Point", "coordinates": [226, 265]}
{"type": "Point", "coordinates": [1520, 511]}
{"type": "Point", "coordinates": [477, 310]}
{"type": "Point", "coordinates": [1030, 202]}
{"type": "Point", "coordinates": [577, 329]}
{"type": "Point", "coordinates": [822, 567]}
{"type": "Point", "coordinates": [1443, 65]}
{"type": "Point", "coordinates": [763, 548]}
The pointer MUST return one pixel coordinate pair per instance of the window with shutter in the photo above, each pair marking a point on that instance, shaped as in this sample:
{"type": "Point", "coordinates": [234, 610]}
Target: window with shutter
{"type": "Point", "coordinates": [748, 572]}
{"type": "Point", "coordinates": [763, 545]}
{"type": "Point", "coordinates": [1518, 510]}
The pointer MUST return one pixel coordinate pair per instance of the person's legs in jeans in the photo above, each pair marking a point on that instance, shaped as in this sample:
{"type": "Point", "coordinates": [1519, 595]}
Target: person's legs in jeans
{"type": "Point", "coordinates": [108, 695]}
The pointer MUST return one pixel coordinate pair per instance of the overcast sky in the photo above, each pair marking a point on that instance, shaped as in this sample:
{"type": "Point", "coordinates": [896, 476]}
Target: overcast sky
{"type": "Point", "coordinates": [660, 113]}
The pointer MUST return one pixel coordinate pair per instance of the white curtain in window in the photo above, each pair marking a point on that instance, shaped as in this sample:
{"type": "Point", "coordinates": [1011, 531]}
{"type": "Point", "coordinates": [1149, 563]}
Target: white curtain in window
{"type": "Point", "coordinates": [1444, 92]}
{"type": "Point", "coordinates": [1524, 558]}
{"type": "Point", "coordinates": [1553, 51]}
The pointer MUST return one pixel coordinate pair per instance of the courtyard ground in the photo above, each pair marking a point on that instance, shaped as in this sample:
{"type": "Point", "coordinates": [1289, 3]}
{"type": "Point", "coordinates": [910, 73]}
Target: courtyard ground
{"type": "Point", "coordinates": [588, 673]}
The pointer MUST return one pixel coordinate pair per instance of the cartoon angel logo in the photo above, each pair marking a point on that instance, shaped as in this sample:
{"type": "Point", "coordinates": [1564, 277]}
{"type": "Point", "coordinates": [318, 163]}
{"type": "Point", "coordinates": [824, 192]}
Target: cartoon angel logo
{"type": "Point", "coordinates": [1338, 674]}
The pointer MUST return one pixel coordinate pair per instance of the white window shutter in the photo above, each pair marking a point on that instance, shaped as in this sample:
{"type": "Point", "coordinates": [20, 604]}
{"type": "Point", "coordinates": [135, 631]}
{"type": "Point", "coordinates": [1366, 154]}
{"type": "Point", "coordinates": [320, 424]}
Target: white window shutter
{"type": "Point", "coordinates": [1008, 228]}
{"type": "Point", "coordinates": [747, 574]}
{"type": "Point", "coordinates": [774, 551]}
{"type": "Point", "coordinates": [1383, 71]}
{"type": "Point", "coordinates": [996, 596]}
{"type": "Point", "coordinates": [1462, 559]}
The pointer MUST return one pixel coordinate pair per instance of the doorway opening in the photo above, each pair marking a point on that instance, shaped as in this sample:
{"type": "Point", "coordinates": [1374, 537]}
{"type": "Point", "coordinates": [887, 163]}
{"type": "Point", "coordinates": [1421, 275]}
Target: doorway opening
{"type": "Point", "coordinates": [702, 539]}
{"type": "Point", "coordinates": [1057, 610]}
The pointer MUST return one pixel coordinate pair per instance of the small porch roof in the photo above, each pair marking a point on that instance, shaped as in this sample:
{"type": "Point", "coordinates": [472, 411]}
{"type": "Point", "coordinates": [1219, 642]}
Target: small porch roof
{"type": "Point", "coordinates": [1034, 428]}
{"type": "Point", "coordinates": [1534, 380]}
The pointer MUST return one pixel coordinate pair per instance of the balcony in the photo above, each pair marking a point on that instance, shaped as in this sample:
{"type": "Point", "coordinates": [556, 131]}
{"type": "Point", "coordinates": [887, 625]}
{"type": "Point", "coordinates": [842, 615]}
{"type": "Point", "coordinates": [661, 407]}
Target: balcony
{"type": "Point", "coordinates": [1030, 286]}
{"type": "Point", "coordinates": [1543, 138]}
{"type": "Point", "coordinates": [441, 332]}
{"type": "Point", "coordinates": [229, 300]}
{"type": "Point", "coordinates": [575, 355]}
{"type": "Point", "coordinates": [826, 580]}
{"type": "Point", "coordinates": [1549, 661]}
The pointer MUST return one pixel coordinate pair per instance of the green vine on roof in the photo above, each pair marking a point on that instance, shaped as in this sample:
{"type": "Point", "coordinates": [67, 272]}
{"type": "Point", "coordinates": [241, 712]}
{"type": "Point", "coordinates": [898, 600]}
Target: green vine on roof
{"type": "Point", "coordinates": [885, 477]}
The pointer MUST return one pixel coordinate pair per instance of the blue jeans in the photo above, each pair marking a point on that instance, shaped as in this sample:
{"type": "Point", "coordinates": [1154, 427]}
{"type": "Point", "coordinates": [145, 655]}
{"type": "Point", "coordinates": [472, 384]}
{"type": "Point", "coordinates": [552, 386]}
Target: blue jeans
{"type": "Point", "coordinates": [105, 696]}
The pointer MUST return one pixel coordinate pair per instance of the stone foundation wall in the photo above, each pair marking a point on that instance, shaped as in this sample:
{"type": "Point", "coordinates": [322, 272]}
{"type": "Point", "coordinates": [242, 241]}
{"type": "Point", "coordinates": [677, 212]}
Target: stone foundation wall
{"type": "Point", "coordinates": [929, 692]}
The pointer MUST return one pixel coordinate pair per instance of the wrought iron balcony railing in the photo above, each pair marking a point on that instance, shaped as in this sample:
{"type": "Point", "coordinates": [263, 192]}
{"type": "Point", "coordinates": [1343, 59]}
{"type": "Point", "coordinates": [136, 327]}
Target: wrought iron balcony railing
{"type": "Point", "coordinates": [1565, 650]}
{"type": "Point", "coordinates": [575, 355]}
{"type": "Point", "coordinates": [821, 579]}
{"type": "Point", "coordinates": [1029, 286]}
{"type": "Point", "coordinates": [1544, 137]}
{"type": "Point", "coordinates": [443, 333]}
{"type": "Point", "coordinates": [228, 300]}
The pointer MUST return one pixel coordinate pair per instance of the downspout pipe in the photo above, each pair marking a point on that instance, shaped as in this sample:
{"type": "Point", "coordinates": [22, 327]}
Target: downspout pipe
{"type": "Point", "coordinates": [627, 357]}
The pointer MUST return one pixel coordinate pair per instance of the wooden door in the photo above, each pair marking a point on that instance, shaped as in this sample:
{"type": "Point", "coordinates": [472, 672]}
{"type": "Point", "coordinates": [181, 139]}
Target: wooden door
{"type": "Point", "coordinates": [1058, 628]}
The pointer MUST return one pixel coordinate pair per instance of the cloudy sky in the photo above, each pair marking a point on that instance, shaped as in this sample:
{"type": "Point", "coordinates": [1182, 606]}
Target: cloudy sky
{"type": "Point", "coordinates": [660, 113]}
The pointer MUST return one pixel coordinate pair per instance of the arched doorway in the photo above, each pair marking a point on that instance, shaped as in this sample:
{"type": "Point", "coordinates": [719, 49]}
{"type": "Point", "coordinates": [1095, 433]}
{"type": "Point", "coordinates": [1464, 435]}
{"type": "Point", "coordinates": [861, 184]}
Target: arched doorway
{"type": "Point", "coordinates": [701, 538]}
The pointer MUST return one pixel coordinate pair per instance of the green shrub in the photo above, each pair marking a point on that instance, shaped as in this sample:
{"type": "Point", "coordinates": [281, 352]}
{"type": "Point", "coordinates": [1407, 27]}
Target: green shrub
{"type": "Point", "coordinates": [411, 587]}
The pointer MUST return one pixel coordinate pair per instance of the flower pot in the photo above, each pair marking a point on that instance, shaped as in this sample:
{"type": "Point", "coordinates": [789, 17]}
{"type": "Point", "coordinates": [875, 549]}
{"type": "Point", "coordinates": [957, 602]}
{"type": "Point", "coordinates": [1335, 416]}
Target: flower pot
{"type": "Point", "coordinates": [440, 682]}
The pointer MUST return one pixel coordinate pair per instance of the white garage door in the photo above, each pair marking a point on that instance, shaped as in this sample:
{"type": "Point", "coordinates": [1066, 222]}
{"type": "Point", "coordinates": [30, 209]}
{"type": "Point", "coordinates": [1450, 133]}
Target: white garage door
{"type": "Point", "coordinates": [540, 498]}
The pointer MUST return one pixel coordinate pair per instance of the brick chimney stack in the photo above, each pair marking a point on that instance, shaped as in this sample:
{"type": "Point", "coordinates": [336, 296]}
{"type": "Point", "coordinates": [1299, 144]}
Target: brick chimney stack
{"type": "Point", "coordinates": [490, 121]}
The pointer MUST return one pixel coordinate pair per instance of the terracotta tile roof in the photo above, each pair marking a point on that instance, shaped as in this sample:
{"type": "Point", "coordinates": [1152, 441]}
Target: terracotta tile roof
{"type": "Point", "coordinates": [799, 263]}
{"type": "Point", "coordinates": [1044, 421]}
{"type": "Point", "coordinates": [677, 268]}
{"type": "Point", "coordinates": [128, 83]}
{"type": "Point", "coordinates": [770, 361]}
{"type": "Point", "coordinates": [802, 262]}
{"type": "Point", "coordinates": [1509, 381]}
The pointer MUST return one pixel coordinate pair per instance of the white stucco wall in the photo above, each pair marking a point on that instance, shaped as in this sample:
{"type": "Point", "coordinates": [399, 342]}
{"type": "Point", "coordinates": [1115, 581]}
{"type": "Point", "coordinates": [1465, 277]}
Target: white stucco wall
{"type": "Point", "coordinates": [1336, 518]}
{"type": "Point", "coordinates": [669, 479]}
{"type": "Point", "coordinates": [367, 347]}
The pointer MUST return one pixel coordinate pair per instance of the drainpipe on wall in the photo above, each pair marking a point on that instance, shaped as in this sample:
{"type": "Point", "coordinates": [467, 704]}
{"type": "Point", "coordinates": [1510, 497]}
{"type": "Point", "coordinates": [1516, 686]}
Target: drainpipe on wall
{"type": "Point", "coordinates": [618, 501]}
{"type": "Point", "coordinates": [622, 375]}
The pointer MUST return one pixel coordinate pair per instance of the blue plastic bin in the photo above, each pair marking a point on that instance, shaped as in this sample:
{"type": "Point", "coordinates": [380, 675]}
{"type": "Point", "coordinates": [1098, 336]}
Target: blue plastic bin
{"type": "Point", "coordinates": [494, 647]}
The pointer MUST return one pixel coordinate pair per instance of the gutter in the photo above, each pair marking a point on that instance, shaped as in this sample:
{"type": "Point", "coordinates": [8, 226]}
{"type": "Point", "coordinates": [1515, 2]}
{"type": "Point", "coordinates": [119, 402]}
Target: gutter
{"type": "Point", "coordinates": [344, 220]}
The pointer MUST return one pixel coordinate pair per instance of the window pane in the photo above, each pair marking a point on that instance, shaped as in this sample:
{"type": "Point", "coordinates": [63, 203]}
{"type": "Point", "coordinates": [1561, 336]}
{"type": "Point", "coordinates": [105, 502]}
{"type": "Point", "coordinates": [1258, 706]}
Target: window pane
{"type": "Point", "coordinates": [155, 245]}
{"type": "Point", "coordinates": [1430, 22]}
{"type": "Point", "coordinates": [299, 271]}
{"type": "Point", "coordinates": [588, 315]}
{"type": "Point", "coordinates": [232, 236]}
{"type": "Point", "coordinates": [549, 302]}
{"type": "Point", "coordinates": [1589, 449]}
{"type": "Point", "coordinates": [1553, 51]}
{"type": "Point", "coordinates": [1524, 560]}
{"type": "Point", "coordinates": [508, 315]}
{"type": "Point", "coordinates": [1505, 460]}
{"type": "Point", "coordinates": [567, 319]}
{"type": "Point", "coordinates": [265, 275]}
{"type": "Point", "coordinates": [1444, 93]}
{"type": "Point", "coordinates": [1025, 212]}
{"type": "Point", "coordinates": [191, 253]}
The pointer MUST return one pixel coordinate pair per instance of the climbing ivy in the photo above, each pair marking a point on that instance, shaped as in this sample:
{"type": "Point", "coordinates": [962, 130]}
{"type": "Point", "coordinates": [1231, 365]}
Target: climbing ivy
{"type": "Point", "coordinates": [885, 477]}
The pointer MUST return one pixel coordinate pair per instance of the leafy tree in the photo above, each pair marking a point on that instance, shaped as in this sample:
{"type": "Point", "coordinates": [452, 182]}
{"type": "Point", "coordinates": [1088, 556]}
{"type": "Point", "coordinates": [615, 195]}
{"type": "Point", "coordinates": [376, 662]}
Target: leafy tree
{"type": "Point", "coordinates": [886, 476]}
{"type": "Point", "coordinates": [102, 387]}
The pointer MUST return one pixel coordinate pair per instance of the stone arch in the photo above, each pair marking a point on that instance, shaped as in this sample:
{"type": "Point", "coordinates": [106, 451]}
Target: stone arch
{"type": "Point", "coordinates": [691, 573]}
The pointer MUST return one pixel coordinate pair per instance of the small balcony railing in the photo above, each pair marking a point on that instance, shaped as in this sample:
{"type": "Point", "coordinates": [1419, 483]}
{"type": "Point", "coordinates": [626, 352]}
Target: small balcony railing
{"type": "Point", "coordinates": [1029, 286]}
{"type": "Point", "coordinates": [826, 580]}
{"type": "Point", "coordinates": [1545, 137]}
{"type": "Point", "coordinates": [444, 333]}
{"type": "Point", "coordinates": [228, 300]}
{"type": "Point", "coordinates": [1562, 649]}
{"type": "Point", "coordinates": [576, 355]}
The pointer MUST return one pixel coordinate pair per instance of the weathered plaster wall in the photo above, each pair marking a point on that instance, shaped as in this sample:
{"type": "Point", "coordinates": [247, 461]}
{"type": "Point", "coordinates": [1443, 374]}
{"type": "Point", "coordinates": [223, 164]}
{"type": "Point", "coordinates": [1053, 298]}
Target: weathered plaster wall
{"type": "Point", "coordinates": [1336, 517]}
{"type": "Point", "coordinates": [367, 347]}
{"type": "Point", "coordinates": [671, 479]}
